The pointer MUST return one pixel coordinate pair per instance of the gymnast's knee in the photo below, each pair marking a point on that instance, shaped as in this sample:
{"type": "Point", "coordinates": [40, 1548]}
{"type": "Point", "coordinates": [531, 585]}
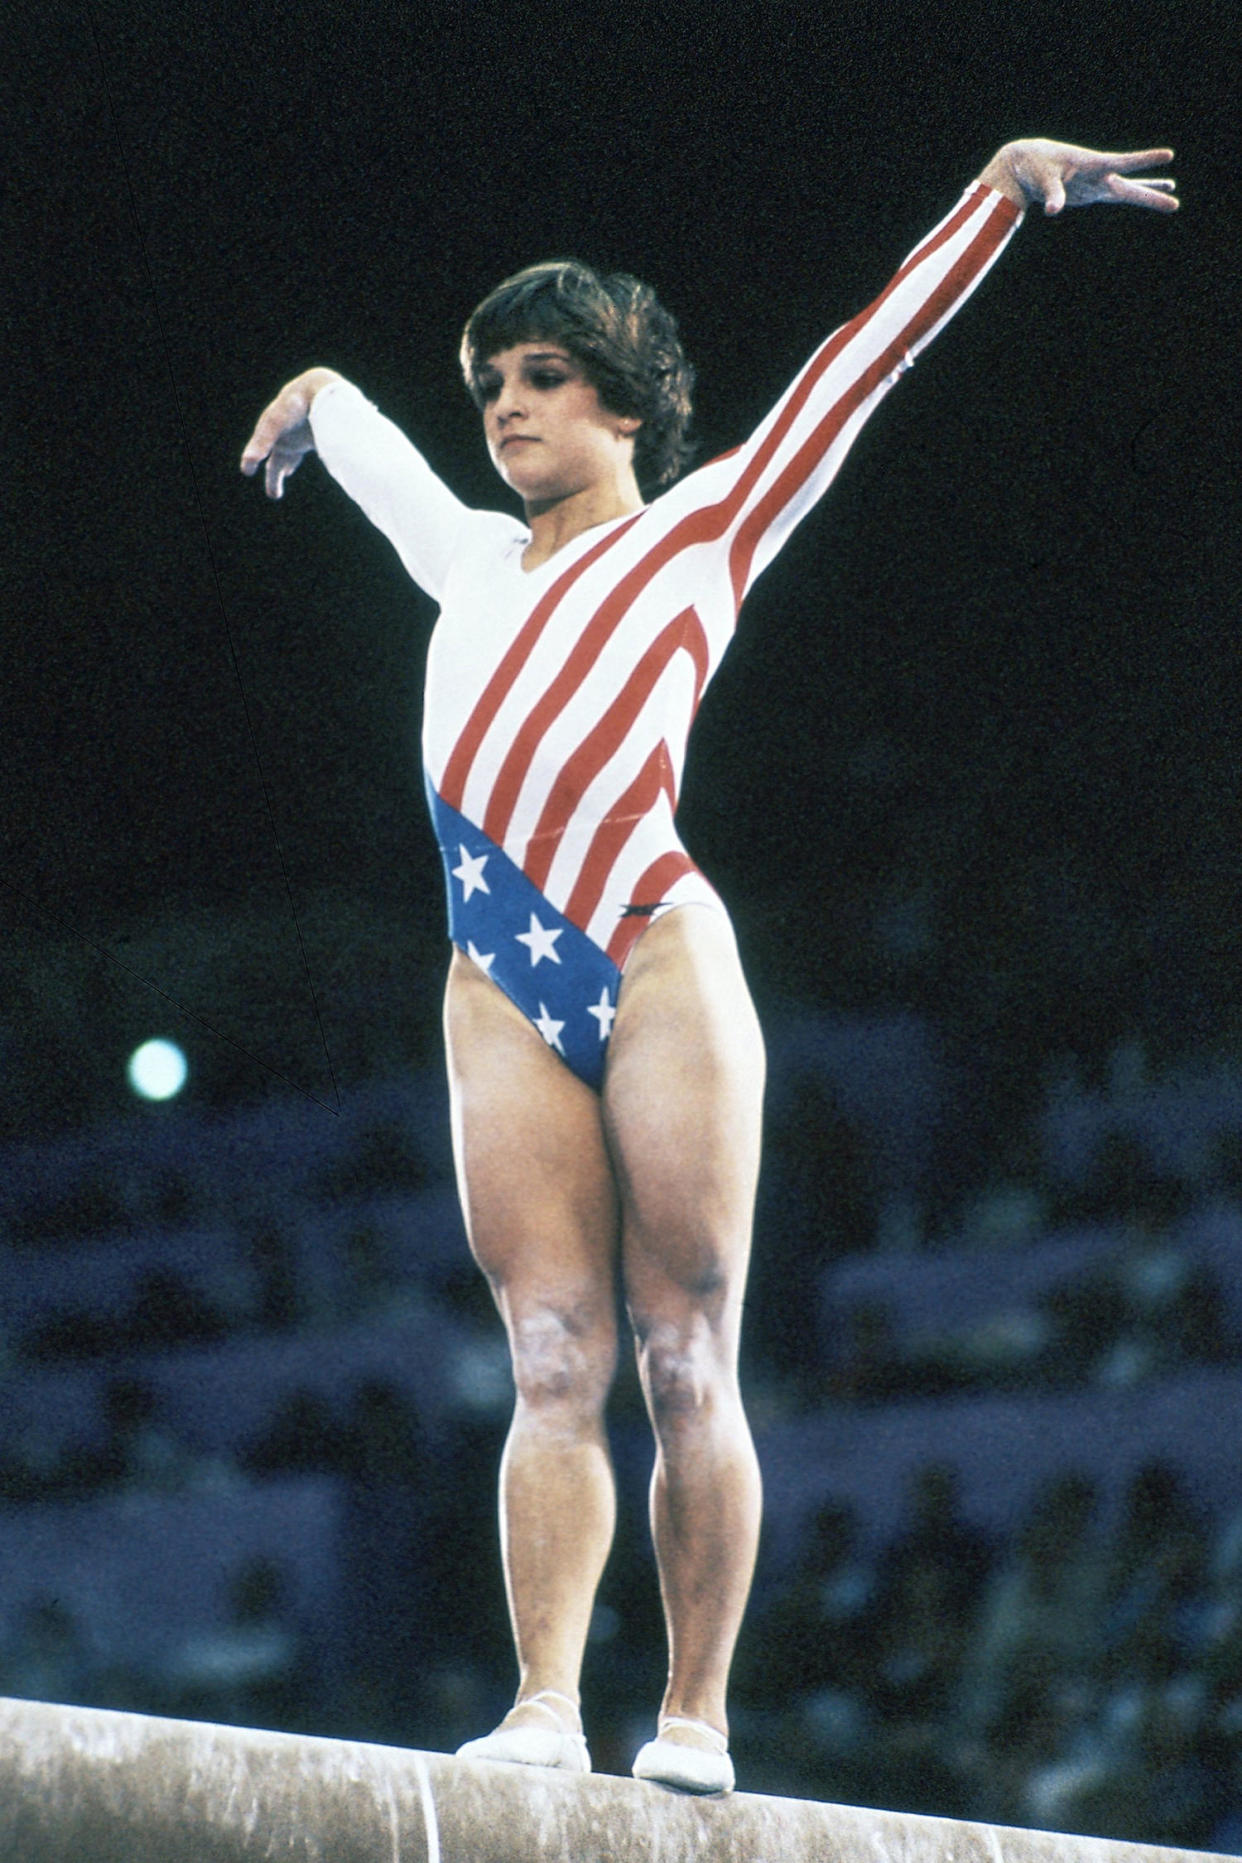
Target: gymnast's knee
{"type": "Point", "coordinates": [564, 1359]}
{"type": "Point", "coordinates": [684, 1369]}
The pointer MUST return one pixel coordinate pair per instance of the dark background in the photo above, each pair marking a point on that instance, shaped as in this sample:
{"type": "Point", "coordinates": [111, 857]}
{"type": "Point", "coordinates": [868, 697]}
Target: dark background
{"type": "Point", "coordinates": [967, 782]}
{"type": "Point", "coordinates": [984, 702]}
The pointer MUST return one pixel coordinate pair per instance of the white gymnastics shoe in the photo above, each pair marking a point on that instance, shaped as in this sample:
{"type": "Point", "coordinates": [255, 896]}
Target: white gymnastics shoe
{"type": "Point", "coordinates": [534, 1746]}
{"type": "Point", "coordinates": [686, 1768]}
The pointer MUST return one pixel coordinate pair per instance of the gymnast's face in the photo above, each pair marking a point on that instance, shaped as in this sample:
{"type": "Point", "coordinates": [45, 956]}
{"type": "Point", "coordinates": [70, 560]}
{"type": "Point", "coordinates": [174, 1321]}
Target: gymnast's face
{"type": "Point", "coordinates": [548, 432]}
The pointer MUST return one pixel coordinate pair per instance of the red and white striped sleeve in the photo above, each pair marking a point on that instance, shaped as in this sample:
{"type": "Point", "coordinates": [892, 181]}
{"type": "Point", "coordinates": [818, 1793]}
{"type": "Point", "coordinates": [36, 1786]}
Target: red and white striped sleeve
{"type": "Point", "coordinates": [793, 456]}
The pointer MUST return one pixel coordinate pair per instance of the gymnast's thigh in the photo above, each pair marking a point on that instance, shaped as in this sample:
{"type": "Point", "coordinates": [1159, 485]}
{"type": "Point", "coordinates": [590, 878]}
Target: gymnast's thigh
{"type": "Point", "coordinates": [533, 1170]}
{"type": "Point", "coordinates": [683, 1101]}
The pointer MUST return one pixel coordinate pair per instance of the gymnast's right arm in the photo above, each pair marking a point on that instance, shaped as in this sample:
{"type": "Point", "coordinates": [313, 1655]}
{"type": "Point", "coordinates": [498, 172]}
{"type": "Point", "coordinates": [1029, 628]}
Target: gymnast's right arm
{"type": "Point", "coordinates": [319, 411]}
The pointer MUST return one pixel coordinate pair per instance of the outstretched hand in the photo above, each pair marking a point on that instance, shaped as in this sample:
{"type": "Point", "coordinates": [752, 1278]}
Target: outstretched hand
{"type": "Point", "coordinates": [1059, 174]}
{"type": "Point", "coordinates": [282, 436]}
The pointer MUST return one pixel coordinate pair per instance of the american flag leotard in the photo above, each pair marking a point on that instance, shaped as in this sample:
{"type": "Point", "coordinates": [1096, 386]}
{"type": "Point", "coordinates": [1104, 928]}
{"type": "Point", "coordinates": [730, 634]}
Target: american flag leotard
{"type": "Point", "coordinates": [559, 702]}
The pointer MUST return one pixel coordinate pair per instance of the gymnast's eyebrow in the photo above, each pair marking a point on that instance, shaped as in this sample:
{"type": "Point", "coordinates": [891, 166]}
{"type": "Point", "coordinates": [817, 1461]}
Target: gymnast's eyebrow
{"type": "Point", "coordinates": [490, 370]}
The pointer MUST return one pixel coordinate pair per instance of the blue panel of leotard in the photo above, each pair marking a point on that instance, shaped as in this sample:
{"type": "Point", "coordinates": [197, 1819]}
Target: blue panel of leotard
{"type": "Point", "coordinates": [560, 980]}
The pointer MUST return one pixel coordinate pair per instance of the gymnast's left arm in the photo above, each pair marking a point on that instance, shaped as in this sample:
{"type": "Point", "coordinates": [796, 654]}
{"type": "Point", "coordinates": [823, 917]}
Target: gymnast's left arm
{"type": "Point", "coordinates": [775, 478]}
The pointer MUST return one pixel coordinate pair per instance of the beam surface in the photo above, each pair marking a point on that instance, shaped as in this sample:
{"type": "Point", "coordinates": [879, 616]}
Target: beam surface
{"type": "Point", "coordinates": [83, 1785]}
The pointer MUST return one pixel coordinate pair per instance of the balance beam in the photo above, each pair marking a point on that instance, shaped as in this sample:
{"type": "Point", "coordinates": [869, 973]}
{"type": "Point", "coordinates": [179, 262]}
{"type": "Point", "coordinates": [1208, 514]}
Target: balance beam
{"type": "Point", "coordinates": [83, 1785]}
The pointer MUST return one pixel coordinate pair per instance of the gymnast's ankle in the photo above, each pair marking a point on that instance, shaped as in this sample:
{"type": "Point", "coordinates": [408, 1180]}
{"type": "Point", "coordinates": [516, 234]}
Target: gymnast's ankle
{"type": "Point", "coordinates": [564, 1708]}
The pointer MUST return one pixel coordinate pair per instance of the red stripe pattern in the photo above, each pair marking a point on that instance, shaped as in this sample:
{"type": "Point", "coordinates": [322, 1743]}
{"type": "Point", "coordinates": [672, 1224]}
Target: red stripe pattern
{"type": "Point", "coordinates": [566, 748]}
{"type": "Point", "coordinates": [559, 703]}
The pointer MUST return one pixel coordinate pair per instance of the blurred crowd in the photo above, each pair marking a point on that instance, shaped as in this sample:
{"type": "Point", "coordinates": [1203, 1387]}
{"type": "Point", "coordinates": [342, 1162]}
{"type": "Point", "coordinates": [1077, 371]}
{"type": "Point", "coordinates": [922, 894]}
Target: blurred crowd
{"type": "Point", "coordinates": [1078, 1668]}
{"type": "Point", "coordinates": [1081, 1676]}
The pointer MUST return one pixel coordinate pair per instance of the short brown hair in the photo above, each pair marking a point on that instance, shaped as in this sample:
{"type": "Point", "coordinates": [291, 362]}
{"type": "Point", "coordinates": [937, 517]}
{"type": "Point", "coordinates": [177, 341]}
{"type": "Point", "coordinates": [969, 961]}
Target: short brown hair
{"type": "Point", "coordinates": [618, 333]}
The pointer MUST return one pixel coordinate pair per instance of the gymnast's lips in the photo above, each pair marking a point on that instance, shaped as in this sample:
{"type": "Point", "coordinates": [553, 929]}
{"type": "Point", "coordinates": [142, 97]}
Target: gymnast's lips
{"type": "Point", "coordinates": [517, 439]}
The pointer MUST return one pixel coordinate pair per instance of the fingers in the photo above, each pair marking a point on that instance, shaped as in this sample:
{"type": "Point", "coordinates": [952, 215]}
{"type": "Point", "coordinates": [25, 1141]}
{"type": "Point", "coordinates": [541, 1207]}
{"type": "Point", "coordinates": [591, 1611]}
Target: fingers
{"type": "Point", "coordinates": [256, 451]}
{"type": "Point", "coordinates": [1154, 193]}
{"type": "Point", "coordinates": [279, 419]}
{"type": "Point", "coordinates": [1060, 175]}
{"type": "Point", "coordinates": [1157, 191]}
{"type": "Point", "coordinates": [1145, 158]}
{"type": "Point", "coordinates": [277, 461]}
{"type": "Point", "coordinates": [282, 463]}
{"type": "Point", "coordinates": [1054, 192]}
{"type": "Point", "coordinates": [1119, 162]}
{"type": "Point", "coordinates": [261, 442]}
{"type": "Point", "coordinates": [276, 466]}
{"type": "Point", "coordinates": [282, 438]}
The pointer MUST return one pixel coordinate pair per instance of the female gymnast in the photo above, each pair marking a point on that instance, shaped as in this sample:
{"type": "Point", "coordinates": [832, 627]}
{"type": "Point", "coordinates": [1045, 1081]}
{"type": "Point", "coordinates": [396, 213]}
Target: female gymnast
{"type": "Point", "coordinates": [605, 1062]}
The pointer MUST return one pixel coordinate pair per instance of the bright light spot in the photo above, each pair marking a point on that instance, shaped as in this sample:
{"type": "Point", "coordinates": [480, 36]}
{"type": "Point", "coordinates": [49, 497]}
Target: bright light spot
{"type": "Point", "coordinates": [157, 1070]}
